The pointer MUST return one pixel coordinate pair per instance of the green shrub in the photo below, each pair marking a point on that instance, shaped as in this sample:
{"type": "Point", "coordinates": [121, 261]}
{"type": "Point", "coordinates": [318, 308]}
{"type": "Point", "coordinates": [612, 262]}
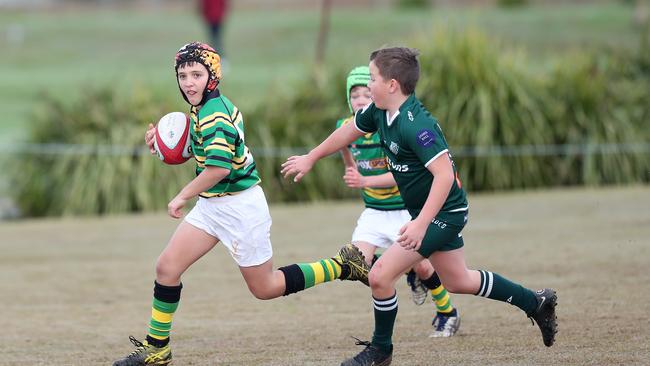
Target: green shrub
{"type": "Point", "coordinates": [484, 99]}
{"type": "Point", "coordinates": [511, 3]}
{"type": "Point", "coordinates": [93, 177]}
{"type": "Point", "coordinates": [413, 4]}
{"type": "Point", "coordinates": [299, 120]}
{"type": "Point", "coordinates": [602, 100]}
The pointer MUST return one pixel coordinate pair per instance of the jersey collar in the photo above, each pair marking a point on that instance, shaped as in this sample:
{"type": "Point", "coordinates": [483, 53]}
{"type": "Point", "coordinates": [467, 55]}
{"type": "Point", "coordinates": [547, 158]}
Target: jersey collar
{"type": "Point", "coordinates": [404, 107]}
{"type": "Point", "coordinates": [389, 120]}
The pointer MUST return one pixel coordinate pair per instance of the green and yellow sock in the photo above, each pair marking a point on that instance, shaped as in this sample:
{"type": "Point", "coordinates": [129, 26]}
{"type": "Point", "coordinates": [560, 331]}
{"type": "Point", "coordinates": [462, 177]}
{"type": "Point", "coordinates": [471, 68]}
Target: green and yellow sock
{"type": "Point", "coordinates": [301, 276]}
{"type": "Point", "coordinates": [439, 294]}
{"type": "Point", "coordinates": [165, 303]}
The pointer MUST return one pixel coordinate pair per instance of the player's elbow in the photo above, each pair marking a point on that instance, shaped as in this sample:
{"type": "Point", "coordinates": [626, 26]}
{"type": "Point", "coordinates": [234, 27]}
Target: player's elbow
{"type": "Point", "coordinates": [445, 179]}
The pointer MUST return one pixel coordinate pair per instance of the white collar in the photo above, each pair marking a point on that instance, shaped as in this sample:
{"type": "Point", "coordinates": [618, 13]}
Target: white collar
{"type": "Point", "coordinates": [390, 120]}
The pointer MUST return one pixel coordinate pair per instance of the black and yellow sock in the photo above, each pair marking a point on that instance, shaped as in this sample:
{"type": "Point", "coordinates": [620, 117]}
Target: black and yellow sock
{"type": "Point", "coordinates": [301, 276]}
{"type": "Point", "coordinates": [385, 314]}
{"type": "Point", "coordinates": [165, 303]}
{"type": "Point", "coordinates": [439, 294]}
{"type": "Point", "coordinates": [496, 287]}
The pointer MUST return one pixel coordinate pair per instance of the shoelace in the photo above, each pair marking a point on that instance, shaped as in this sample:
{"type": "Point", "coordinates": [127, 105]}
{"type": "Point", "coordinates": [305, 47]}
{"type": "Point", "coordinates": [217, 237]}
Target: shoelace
{"type": "Point", "coordinates": [531, 319]}
{"type": "Point", "coordinates": [139, 346]}
{"type": "Point", "coordinates": [365, 354]}
{"type": "Point", "coordinates": [359, 342]}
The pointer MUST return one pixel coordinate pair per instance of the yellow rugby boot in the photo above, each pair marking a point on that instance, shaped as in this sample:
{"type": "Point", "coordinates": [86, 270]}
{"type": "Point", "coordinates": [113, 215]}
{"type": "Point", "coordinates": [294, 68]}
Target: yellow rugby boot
{"type": "Point", "coordinates": [146, 354]}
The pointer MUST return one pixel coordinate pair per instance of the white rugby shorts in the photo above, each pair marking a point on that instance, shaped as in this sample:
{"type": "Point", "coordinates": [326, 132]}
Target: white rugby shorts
{"type": "Point", "coordinates": [380, 228]}
{"type": "Point", "coordinates": [241, 222]}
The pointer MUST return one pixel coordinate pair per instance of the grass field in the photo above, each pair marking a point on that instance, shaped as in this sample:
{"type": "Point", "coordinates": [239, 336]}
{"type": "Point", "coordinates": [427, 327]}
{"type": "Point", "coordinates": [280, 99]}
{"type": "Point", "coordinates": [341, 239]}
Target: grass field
{"type": "Point", "coordinates": [66, 52]}
{"type": "Point", "coordinates": [74, 289]}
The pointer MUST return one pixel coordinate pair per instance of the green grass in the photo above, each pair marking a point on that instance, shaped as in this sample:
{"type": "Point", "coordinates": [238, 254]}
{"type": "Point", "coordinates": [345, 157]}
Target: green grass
{"type": "Point", "coordinates": [66, 52]}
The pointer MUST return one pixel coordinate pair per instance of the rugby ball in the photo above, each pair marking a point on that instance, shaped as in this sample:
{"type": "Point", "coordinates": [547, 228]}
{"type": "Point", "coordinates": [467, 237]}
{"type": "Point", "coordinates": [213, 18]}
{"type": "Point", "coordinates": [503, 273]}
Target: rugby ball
{"type": "Point", "coordinates": [173, 142]}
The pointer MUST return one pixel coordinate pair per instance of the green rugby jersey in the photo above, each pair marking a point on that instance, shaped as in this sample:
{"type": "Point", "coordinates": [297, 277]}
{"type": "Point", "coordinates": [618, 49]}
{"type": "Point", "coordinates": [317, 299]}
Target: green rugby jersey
{"type": "Point", "coordinates": [218, 140]}
{"type": "Point", "coordinates": [411, 141]}
{"type": "Point", "coordinates": [370, 159]}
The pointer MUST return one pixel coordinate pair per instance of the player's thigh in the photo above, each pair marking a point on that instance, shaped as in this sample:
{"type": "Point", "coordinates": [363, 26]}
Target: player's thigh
{"type": "Point", "coordinates": [452, 270]}
{"type": "Point", "coordinates": [367, 249]}
{"type": "Point", "coordinates": [186, 246]}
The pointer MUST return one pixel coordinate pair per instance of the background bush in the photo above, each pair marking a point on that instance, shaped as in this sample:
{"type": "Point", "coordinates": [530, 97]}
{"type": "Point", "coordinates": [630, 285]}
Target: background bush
{"type": "Point", "coordinates": [107, 170]}
{"type": "Point", "coordinates": [485, 101]}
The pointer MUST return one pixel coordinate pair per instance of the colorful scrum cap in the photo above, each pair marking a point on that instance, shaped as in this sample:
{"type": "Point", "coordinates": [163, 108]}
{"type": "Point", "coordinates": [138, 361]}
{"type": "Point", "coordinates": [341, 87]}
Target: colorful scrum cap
{"type": "Point", "coordinates": [206, 56]}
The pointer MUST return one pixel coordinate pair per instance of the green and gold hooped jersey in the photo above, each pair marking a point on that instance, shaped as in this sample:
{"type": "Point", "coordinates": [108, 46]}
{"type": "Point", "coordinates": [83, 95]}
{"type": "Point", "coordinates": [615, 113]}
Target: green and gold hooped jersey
{"type": "Point", "coordinates": [411, 141]}
{"type": "Point", "coordinates": [370, 159]}
{"type": "Point", "coordinates": [218, 140]}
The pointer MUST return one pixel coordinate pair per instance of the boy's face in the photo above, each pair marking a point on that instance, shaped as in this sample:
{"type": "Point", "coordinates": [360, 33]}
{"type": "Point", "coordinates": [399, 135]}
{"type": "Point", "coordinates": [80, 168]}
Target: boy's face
{"type": "Point", "coordinates": [380, 88]}
{"type": "Point", "coordinates": [193, 80]}
{"type": "Point", "coordinates": [359, 97]}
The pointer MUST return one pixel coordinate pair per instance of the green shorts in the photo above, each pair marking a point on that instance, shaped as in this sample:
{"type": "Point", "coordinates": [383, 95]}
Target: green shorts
{"type": "Point", "coordinates": [444, 235]}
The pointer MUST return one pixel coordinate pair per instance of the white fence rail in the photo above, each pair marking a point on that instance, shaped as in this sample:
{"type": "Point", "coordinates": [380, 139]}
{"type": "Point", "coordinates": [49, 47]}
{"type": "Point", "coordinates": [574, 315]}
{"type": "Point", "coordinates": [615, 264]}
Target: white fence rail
{"type": "Point", "coordinates": [279, 152]}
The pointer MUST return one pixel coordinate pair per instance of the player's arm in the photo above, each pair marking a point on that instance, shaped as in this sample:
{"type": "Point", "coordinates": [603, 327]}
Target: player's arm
{"type": "Point", "coordinates": [207, 179]}
{"type": "Point", "coordinates": [443, 177]}
{"type": "Point", "coordinates": [298, 166]}
{"type": "Point", "coordinates": [348, 160]}
{"type": "Point", "coordinates": [354, 179]}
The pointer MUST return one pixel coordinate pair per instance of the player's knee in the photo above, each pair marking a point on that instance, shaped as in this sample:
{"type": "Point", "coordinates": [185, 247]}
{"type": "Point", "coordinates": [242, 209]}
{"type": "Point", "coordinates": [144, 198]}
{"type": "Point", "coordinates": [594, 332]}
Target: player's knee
{"type": "Point", "coordinates": [260, 291]}
{"type": "Point", "coordinates": [458, 285]}
{"type": "Point", "coordinates": [423, 269]}
{"type": "Point", "coordinates": [377, 278]}
{"type": "Point", "coordinates": [165, 270]}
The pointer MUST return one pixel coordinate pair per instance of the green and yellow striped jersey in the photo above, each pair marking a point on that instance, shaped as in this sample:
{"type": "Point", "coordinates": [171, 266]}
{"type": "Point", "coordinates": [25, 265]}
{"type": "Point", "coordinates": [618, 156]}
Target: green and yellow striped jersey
{"type": "Point", "coordinates": [218, 140]}
{"type": "Point", "coordinates": [370, 159]}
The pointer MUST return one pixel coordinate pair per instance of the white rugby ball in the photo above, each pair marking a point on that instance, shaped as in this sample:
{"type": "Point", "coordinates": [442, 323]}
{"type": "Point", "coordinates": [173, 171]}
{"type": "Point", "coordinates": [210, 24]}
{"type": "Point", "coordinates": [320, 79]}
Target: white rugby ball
{"type": "Point", "coordinates": [173, 141]}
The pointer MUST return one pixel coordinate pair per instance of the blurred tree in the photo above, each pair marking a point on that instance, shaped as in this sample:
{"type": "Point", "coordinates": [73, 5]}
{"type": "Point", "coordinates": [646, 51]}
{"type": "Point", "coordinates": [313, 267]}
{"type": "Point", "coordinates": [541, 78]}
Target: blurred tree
{"type": "Point", "coordinates": [321, 43]}
{"type": "Point", "coordinates": [641, 13]}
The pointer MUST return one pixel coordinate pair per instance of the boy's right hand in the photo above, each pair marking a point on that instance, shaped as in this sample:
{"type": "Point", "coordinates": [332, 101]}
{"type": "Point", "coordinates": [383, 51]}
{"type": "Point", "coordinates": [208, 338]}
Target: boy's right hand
{"type": "Point", "coordinates": [150, 137]}
{"type": "Point", "coordinates": [297, 166]}
{"type": "Point", "coordinates": [353, 178]}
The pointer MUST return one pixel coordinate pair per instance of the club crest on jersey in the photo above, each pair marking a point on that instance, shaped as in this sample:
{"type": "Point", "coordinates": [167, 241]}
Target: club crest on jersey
{"type": "Point", "coordinates": [394, 148]}
{"type": "Point", "coordinates": [410, 115]}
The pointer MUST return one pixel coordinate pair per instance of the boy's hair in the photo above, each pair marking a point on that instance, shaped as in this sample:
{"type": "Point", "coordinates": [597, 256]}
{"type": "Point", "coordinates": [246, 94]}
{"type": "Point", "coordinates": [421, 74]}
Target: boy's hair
{"type": "Point", "coordinates": [359, 76]}
{"type": "Point", "coordinates": [399, 63]}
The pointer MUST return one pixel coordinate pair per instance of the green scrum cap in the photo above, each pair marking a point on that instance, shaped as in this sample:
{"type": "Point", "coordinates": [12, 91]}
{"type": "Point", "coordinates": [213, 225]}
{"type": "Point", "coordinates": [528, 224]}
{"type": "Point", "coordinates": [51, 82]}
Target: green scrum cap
{"type": "Point", "coordinates": [360, 75]}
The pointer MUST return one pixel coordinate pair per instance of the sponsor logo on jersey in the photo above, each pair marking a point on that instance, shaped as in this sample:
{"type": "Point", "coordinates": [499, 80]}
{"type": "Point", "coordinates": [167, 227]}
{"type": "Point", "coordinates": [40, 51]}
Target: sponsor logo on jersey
{"type": "Point", "coordinates": [379, 163]}
{"type": "Point", "coordinates": [410, 115]}
{"type": "Point", "coordinates": [397, 167]}
{"type": "Point", "coordinates": [426, 138]}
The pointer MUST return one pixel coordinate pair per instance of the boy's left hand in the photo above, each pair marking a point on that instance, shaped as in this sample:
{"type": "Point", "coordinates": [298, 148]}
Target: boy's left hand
{"type": "Point", "coordinates": [353, 178]}
{"type": "Point", "coordinates": [411, 235]}
{"type": "Point", "coordinates": [174, 207]}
